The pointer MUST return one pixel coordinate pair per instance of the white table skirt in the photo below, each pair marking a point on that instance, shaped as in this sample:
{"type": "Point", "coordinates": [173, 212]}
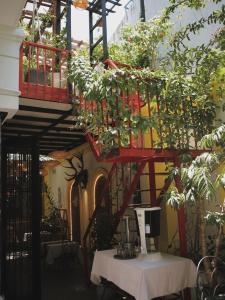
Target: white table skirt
{"type": "Point", "coordinates": [147, 276]}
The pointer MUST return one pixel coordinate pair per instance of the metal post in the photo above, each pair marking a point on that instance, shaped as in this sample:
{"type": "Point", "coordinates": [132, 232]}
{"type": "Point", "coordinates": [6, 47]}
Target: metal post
{"type": "Point", "coordinates": [152, 183]}
{"type": "Point", "coordinates": [69, 40]}
{"type": "Point", "coordinates": [58, 19]}
{"type": "Point", "coordinates": [1, 198]}
{"type": "Point", "coordinates": [91, 39]}
{"type": "Point", "coordinates": [68, 25]}
{"type": "Point", "coordinates": [3, 182]}
{"type": "Point", "coordinates": [36, 218]}
{"type": "Point", "coordinates": [104, 30]}
{"type": "Point", "coordinates": [2, 240]}
{"type": "Point", "coordinates": [142, 10]}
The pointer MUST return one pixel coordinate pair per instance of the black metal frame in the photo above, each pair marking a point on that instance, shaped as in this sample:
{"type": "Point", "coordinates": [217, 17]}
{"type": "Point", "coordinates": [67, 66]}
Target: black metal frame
{"type": "Point", "coordinates": [101, 8]}
{"type": "Point", "coordinates": [210, 278]}
{"type": "Point", "coordinates": [52, 128]}
{"type": "Point", "coordinates": [142, 10]}
{"type": "Point", "coordinates": [36, 220]}
{"type": "Point", "coordinates": [1, 220]}
{"type": "Point", "coordinates": [21, 212]}
{"type": "Point", "coordinates": [23, 138]}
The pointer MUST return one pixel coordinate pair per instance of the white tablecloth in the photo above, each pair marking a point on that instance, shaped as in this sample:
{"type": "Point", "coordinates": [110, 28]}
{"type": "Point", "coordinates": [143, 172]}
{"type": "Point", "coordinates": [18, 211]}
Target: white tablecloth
{"type": "Point", "coordinates": [55, 250]}
{"type": "Point", "coordinates": [147, 276]}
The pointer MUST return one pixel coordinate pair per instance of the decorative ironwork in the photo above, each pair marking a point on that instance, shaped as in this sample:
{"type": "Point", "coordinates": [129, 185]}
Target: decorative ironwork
{"type": "Point", "coordinates": [21, 213]}
{"type": "Point", "coordinates": [80, 174]}
{"type": "Point", "coordinates": [211, 278]}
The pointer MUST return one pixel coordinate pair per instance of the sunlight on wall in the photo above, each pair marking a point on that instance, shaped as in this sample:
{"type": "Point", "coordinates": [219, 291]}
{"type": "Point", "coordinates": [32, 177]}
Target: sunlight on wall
{"type": "Point", "coordinates": [95, 177]}
{"type": "Point", "coordinates": [94, 187]}
{"type": "Point", "coordinates": [70, 210]}
{"type": "Point", "coordinates": [84, 211]}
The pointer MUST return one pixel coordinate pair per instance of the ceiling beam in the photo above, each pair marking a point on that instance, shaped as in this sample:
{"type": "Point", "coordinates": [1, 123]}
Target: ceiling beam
{"type": "Point", "coordinates": [38, 127]}
{"type": "Point", "coordinates": [53, 143]}
{"type": "Point", "coordinates": [40, 119]}
{"type": "Point", "coordinates": [58, 134]}
{"type": "Point", "coordinates": [43, 109]}
{"type": "Point", "coordinates": [50, 140]}
{"type": "Point", "coordinates": [55, 123]}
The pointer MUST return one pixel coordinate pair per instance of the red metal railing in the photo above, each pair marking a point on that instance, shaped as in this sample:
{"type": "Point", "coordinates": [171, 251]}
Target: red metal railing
{"type": "Point", "coordinates": [137, 143]}
{"type": "Point", "coordinates": [43, 72]}
{"type": "Point", "coordinates": [161, 137]}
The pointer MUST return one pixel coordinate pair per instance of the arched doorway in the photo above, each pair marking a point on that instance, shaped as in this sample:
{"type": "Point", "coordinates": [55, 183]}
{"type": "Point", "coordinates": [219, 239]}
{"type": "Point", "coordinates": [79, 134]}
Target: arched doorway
{"type": "Point", "coordinates": [75, 213]}
{"type": "Point", "coordinates": [99, 186]}
{"type": "Point", "coordinates": [103, 222]}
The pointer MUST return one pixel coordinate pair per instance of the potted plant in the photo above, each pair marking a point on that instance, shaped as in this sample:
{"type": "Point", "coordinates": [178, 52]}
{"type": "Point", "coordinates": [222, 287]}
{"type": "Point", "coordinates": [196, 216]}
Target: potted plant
{"type": "Point", "coordinates": [53, 221]}
{"type": "Point", "coordinates": [33, 73]}
{"type": "Point", "coordinates": [59, 41]}
{"type": "Point", "coordinates": [59, 76]}
{"type": "Point", "coordinates": [46, 19]}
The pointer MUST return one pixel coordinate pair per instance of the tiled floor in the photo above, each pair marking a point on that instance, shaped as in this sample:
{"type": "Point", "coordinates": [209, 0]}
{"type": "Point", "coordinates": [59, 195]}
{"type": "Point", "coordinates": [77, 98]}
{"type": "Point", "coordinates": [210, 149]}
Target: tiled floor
{"type": "Point", "coordinates": [66, 281]}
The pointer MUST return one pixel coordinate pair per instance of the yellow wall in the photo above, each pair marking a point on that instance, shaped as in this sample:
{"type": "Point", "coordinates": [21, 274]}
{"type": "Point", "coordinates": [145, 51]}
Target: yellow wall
{"type": "Point", "coordinates": [56, 179]}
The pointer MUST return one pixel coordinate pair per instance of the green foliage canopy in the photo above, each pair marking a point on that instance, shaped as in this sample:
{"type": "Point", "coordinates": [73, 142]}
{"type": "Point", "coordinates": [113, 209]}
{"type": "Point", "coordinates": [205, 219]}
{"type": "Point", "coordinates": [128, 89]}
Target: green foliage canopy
{"type": "Point", "coordinates": [188, 82]}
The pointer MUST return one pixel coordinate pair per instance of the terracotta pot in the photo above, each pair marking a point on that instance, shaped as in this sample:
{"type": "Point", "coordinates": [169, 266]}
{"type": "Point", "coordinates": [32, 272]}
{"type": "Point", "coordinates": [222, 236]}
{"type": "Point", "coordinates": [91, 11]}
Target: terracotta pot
{"type": "Point", "coordinates": [57, 82]}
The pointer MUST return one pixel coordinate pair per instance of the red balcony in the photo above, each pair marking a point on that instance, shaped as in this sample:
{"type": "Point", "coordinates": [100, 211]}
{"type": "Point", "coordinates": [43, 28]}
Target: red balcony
{"type": "Point", "coordinates": [43, 72]}
{"type": "Point", "coordinates": [132, 143]}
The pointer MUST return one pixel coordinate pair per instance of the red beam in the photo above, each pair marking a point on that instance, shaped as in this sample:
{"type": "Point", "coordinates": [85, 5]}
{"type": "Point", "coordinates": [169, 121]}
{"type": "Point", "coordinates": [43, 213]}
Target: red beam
{"type": "Point", "coordinates": [129, 193]}
{"type": "Point", "coordinates": [167, 184]}
{"type": "Point", "coordinates": [94, 147]}
{"type": "Point", "coordinates": [36, 45]}
{"type": "Point", "coordinates": [138, 154]}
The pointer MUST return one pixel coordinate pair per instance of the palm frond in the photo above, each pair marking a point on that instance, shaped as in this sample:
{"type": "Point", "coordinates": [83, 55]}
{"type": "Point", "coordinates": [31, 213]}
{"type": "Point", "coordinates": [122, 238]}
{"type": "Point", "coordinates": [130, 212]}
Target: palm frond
{"type": "Point", "coordinates": [216, 138]}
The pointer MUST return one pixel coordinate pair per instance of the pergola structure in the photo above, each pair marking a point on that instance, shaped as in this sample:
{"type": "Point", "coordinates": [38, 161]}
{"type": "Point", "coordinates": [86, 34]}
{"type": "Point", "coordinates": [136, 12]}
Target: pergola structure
{"type": "Point", "coordinates": [53, 127]}
{"type": "Point", "coordinates": [44, 123]}
{"type": "Point", "coordinates": [99, 8]}
{"type": "Point", "coordinates": [102, 8]}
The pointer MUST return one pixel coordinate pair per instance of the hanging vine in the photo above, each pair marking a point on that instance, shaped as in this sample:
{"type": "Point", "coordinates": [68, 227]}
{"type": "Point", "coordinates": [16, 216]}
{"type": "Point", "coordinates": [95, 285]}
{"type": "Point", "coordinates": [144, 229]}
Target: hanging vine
{"type": "Point", "coordinates": [185, 86]}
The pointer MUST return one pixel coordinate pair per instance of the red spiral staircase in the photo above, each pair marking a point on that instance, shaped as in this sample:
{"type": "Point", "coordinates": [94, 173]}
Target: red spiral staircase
{"type": "Point", "coordinates": [141, 151]}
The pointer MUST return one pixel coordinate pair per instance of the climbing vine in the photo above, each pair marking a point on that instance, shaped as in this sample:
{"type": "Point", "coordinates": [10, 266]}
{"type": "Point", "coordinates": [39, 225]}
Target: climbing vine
{"type": "Point", "coordinates": [186, 85]}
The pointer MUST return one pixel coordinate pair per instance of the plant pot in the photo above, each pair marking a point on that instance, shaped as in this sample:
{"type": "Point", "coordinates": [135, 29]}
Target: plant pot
{"type": "Point", "coordinates": [36, 76]}
{"type": "Point", "coordinates": [57, 82]}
